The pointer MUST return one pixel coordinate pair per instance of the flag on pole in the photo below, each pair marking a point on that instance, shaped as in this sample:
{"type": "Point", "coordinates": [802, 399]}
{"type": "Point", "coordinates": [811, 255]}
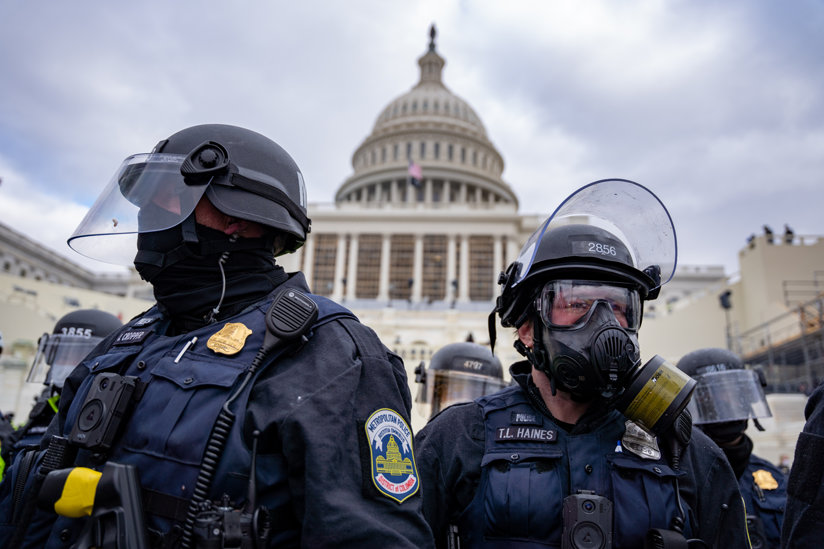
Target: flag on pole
{"type": "Point", "coordinates": [415, 175]}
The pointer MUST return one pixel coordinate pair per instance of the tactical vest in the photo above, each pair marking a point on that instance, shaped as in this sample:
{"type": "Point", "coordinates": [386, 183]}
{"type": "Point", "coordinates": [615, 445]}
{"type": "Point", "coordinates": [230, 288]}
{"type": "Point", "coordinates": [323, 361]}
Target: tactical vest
{"type": "Point", "coordinates": [169, 426]}
{"type": "Point", "coordinates": [530, 465]}
{"type": "Point", "coordinates": [764, 489]}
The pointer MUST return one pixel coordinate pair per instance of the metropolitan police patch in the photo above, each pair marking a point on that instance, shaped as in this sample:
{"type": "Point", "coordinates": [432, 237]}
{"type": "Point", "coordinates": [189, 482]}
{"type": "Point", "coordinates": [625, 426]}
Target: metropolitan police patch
{"type": "Point", "coordinates": [392, 462]}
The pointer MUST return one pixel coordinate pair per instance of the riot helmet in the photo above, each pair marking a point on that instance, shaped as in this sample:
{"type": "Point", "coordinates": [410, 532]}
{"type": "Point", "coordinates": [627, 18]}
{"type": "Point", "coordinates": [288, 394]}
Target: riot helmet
{"type": "Point", "coordinates": [243, 174]}
{"type": "Point", "coordinates": [612, 230]}
{"type": "Point", "coordinates": [727, 394]}
{"type": "Point", "coordinates": [458, 372]}
{"type": "Point", "coordinates": [582, 278]}
{"type": "Point", "coordinates": [73, 337]}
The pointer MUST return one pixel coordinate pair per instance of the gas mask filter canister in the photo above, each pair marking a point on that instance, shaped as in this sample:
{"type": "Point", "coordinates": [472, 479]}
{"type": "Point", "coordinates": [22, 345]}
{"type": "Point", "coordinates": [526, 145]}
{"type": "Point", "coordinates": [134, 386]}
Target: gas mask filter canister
{"type": "Point", "coordinates": [656, 394]}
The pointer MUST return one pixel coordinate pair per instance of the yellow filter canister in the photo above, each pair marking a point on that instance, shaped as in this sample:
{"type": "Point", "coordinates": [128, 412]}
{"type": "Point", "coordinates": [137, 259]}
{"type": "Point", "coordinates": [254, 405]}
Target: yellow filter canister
{"type": "Point", "coordinates": [656, 395]}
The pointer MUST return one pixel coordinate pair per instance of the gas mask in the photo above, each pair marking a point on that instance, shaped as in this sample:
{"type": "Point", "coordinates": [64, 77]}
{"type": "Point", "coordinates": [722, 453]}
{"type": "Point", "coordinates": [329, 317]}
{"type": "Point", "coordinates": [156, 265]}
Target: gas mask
{"type": "Point", "coordinates": [586, 343]}
{"type": "Point", "coordinates": [589, 351]}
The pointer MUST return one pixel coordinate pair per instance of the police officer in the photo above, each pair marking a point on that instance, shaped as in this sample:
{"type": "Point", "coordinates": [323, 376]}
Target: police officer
{"type": "Point", "coordinates": [458, 372]}
{"type": "Point", "coordinates": [804, 518]}
{"type": "Point", "coordinates": [73, 337]}
{"type": "Point", "coordinates": [589, 448]}
{"type": "Point", "coordinates": [254, 413]}
{"type": "Point", "coordinates": [726, 397]}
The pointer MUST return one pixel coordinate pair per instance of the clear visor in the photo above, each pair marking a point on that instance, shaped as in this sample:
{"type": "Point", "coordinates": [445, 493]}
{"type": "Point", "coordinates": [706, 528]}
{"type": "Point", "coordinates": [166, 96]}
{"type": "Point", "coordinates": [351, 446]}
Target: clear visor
{"type": "Point", "coordinates": [57, 355]}
{"type": "Point", "coordinates": [729, 395]}
{"type": "Point", "coordinates": [626, 209]}
{"type": "Point", "coordinates": [566, 303]}
{"type": "Point", "coordinates": [147, 193]}
{"type": "Point", "coordinates": [447, 387]}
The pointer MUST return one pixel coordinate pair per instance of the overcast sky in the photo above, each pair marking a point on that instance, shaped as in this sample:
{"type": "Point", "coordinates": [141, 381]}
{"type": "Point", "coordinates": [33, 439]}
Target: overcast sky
{"type": "Point", "coordinates": [718, 107]}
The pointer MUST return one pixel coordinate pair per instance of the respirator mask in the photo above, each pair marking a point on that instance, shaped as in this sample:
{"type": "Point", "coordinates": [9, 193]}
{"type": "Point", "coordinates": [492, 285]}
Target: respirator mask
{"type": "Point", "coordinates": [587, 336]}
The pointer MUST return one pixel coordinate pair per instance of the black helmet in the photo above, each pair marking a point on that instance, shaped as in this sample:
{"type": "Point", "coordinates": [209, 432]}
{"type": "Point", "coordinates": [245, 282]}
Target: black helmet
{"type": "Point", "coordinates": [73, 337]}
{"type": "Point", "coordinates": [459, 372]}
{"type": "Point", "coordinates": [726, 391]}
{"type": "Point", "coordinates": [244, 175]}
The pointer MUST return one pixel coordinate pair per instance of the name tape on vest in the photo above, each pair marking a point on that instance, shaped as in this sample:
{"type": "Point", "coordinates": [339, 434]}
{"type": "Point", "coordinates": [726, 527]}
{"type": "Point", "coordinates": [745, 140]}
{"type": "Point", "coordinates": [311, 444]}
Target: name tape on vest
{"type": "Point", "coordinates": [525, 434]}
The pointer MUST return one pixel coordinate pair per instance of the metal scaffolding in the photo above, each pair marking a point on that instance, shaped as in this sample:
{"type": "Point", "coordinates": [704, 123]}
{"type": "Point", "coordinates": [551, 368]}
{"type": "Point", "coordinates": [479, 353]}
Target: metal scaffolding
{"type": "Point", "coordinates": [789, 348]}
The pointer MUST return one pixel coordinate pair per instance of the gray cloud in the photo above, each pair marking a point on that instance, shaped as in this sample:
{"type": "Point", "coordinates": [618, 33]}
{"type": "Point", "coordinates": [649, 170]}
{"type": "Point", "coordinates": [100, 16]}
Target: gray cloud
{"type": "Point", "coordinates": [715, 106]}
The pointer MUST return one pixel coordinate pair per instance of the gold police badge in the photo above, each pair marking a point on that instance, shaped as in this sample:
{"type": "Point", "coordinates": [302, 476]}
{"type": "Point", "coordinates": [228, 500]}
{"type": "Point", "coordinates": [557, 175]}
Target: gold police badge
{"type": "Point", "coordinates": [230, 339]}
{"type": "Point", "coordinates": [765, 480]}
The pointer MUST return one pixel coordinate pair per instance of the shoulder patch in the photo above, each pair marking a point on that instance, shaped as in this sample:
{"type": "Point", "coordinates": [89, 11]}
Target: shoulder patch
{"type": "Point", "coordinates": [392, 462]}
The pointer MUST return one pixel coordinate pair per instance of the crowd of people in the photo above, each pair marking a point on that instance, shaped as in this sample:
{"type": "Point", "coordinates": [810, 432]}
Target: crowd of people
{"type": "Point", "coordinates": [241, 410]}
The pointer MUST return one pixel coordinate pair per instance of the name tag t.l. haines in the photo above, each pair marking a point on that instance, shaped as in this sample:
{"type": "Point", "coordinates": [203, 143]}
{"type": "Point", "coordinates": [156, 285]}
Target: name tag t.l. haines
{"type": "Point", "coordinates": [521, 433]}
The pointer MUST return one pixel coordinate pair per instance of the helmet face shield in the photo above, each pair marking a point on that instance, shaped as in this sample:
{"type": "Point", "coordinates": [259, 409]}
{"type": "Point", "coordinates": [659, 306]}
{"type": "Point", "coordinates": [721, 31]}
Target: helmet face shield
{"type": "Point", "coordinates": [147, 193]}
{"type": "Point", "coordinates": [567, 303]}
{"type": "Point", "coordinates": [728, 395]}
{"type": "Point", "coordinates": [448, 387]}
{"type": "Point", "coordinates": [57, 355]}
{"type": "Point", "coordinates": [627, 210]}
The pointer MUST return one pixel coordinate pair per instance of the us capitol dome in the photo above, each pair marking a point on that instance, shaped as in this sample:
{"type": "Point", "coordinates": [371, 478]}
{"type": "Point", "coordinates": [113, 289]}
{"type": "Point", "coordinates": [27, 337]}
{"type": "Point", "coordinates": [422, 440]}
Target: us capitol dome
{"type": "Point", "coordinates": [425, 222]}
{"type": "Point", "coordinates": [433, 127]}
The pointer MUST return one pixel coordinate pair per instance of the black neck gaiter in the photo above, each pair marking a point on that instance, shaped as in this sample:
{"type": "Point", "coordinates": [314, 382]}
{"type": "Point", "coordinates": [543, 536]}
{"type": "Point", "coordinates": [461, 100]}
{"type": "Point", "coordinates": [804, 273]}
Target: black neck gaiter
{"type": "Point", "coordinates": [739, 455]}
{"type": "Point", "coordinates": [190, 287]}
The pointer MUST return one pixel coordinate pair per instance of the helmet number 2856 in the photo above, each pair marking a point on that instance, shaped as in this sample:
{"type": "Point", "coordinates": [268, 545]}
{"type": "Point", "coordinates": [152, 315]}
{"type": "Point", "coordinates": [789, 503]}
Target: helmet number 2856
{"type": "Point", "coordinates": [603, 249]}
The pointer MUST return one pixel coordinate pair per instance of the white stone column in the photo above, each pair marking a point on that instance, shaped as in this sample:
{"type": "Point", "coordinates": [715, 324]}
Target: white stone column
{"type": "Point", "coordinates": [393, 191]}
{"type": "Point", "coordinates": [463, 266]}
{"type": "Point", "coordinates": [417, 269]}
{"type": "Point", "coordinates": [340, 258]}
{"type": "Point", "coordinates": [309, 260]}
{"type": "Point", "coordinates": [291, 262]}
{"type": "Point", "coordinates": [512, 250]}
{"type": "Point", "coordinates": [427, 191]}
{"type": "Point", "coordinates": [451, 273]}
{"type": "Point", "coordinates": [462, 193]}
{"type": "Point", "coordinates": [383, 280]}
{"type": "Point", "coordinates": [352, 269]}
{"type": "Point", "coordinates": [497, 259]}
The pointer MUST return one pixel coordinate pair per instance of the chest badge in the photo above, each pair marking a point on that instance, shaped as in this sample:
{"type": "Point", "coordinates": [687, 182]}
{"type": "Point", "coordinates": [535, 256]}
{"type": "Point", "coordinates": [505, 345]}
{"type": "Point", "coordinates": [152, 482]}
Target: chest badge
{"type": "Point", "coordinates": [764, 480]}
{"type": "Point", "coordinates": [230, 339]}
{"type": "Point", "coordinates": [391, 459]}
